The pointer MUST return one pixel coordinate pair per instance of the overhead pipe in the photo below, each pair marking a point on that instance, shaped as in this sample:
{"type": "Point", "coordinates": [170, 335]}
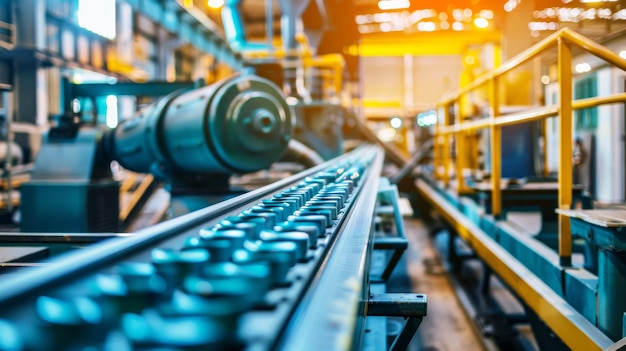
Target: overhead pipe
{"type": "Point", "coordinates": [290, 20]}
{"type": "Point", "coordinates": [233, 28]}
{"type": "Point", "coordinates": [290, 25]}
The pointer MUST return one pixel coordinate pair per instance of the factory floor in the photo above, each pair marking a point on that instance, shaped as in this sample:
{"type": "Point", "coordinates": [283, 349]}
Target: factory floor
{"type": "Point", "coordinates": [446, 327]}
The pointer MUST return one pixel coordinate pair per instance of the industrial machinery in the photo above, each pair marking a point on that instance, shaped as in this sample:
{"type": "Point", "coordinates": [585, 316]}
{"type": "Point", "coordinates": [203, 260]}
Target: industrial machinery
{"type": "Point", "coordinates": [283, 267]}
{"type": "Point", "coordinates": [313, 82]}
{"type": "Point", "coordinates": [194, 139]}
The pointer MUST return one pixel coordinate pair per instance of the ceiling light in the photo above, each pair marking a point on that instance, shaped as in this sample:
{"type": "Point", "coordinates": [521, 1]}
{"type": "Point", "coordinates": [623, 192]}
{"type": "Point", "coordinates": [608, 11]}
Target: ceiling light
{"type": "Point", "coordinates": [480, 22]}
{"type": "Point", "coordinates": [396, 122]}
{"type": "Point", "coordinates": [215, 4]}
{"type": "Point", "coordinates": [622, 54]}
{"type": "Point", "coordinates": [488, 14]}
{"type": "Point", "coordinates": [426, 26]}
{"type": "Point", "coordinates": [393, 4]}
{"type": "Point", "coordinates": [583, 67]}
{"type": "Point", "coordinates": [386, 134]}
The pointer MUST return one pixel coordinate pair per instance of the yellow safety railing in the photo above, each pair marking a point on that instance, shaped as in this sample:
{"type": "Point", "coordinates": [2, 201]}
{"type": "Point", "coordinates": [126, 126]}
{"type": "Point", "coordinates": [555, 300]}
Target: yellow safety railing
{"type": "Point", "coordinates": [564, 40]}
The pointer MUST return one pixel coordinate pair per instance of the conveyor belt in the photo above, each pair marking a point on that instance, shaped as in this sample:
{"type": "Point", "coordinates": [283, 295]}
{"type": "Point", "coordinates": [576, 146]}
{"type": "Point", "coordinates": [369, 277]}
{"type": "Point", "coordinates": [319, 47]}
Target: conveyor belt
{"type": "Point", "coordinates": [227, 277]}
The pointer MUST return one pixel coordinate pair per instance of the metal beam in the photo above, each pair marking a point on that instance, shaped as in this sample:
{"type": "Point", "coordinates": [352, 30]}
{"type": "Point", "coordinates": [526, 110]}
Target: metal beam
{"type": "Point", "coordinates": [423, 43]}
{"type": "Point", "coordinates": [128, 88]}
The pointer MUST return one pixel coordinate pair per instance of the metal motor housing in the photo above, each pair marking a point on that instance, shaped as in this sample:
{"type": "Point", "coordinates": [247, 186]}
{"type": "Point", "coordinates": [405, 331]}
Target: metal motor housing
{"type": "Point", "coordinates": [238, 125]}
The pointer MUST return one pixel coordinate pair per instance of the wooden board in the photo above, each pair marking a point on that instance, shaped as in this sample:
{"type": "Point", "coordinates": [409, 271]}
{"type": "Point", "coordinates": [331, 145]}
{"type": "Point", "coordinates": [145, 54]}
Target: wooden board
{"type": "Point", "coordinates": [603, 218]}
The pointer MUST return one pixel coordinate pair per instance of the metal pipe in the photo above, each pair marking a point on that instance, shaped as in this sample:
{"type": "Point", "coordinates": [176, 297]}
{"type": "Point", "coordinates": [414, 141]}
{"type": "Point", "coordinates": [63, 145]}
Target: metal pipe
{"type": "Point", "coordinates": [600, 100]}
{"type": "Point", "coordinates": [514, 118]}
{"type": "Point", "coordinates": [269, 23]}
{"type": "Point", "coordinates": [291, 14]}
{"type": "Point", "coordinates": [233, 28]}
{"type": "Point", "coordinates": [299, 152]}
{"type": "Point", "coordinates": [421, 153]}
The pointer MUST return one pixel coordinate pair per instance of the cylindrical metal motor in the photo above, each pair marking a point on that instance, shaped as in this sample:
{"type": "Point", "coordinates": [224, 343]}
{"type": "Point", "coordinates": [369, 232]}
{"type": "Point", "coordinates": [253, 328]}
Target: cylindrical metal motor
{"type": "Point", "coordinates": [237, 125]}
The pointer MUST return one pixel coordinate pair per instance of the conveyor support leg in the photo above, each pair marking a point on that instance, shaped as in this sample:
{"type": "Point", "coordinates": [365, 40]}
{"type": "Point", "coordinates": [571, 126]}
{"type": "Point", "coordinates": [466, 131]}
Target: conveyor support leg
{"type": "Point", "coordinates": [410, 306]}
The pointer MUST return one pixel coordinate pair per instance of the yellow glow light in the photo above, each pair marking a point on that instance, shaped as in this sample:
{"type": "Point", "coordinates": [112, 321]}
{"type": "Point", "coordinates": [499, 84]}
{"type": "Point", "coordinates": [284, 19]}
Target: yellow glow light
{"type": "Point", "coordinates": [386, 134]}
{"type": "Point", "coordinates": [396, 122]}
{"type": "Point", "coordinates": [393, 4]}
{"type": "Point", "coordinates": [583, 67]}
{"type": "Point", "coordinates": [215, 4]}
{"type": "Point", "coordinates": [480, 22]}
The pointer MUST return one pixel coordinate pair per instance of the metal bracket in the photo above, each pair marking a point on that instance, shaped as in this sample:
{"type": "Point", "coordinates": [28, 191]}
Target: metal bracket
{"type": "Point", "coordinates": [410, 306]}
{"type": "Point", "coordinates": [398, 245]}
{"type": "Point", "coordinates": [388, 193]}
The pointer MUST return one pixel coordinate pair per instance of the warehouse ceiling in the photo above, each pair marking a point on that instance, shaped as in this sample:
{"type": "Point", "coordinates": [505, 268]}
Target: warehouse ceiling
{"type": "Point", "coordinates": [429, 27]}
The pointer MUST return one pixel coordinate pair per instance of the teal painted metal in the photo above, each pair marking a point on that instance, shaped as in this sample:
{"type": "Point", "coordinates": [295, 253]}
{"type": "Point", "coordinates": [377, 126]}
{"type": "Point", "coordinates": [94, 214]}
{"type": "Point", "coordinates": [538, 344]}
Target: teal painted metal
{"type": "Point", "coordinates": [613, 238]}
{"type": "Point", "coordinates": [388, 196]}
{"type": "Point", "coordinates": [512, 247]}
{"type": "Point", "coordinates": [410, 306]}
{"type": "Point", "coordinates": [581, 288]}
{"type": "Point", "coordinates": [70, 189]}
{"type": "Point", "coordinates": [7, 41]}
{"type": "Point", "coordinates": [376, 338]}
{"type": "Point", "coordinates": [611, 289]}
{"type": "Point", "coordinates": [234, 30]}
{"type": "Point", "coordinates": [154, 88]}
{"type": "Point", "coordinates": [610, 243]}
{"type": "Point", "coordinates": [533, 254]}
{"type": "Point", "coordinates": [397, 305]}
{"type": "Point", "coordinates": [240, 124]}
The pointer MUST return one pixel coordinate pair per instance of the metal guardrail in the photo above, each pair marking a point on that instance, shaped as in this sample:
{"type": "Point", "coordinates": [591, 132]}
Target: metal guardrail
{"type": "Point", "coordinates": [570, 325]}
{"type": "Point", "coordinates": [564, 40]}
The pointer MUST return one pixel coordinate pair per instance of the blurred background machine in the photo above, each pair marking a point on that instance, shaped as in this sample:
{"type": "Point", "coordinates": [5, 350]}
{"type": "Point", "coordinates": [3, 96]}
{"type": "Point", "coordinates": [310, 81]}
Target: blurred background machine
{"type": "Point", "coordinates": [236, 174]}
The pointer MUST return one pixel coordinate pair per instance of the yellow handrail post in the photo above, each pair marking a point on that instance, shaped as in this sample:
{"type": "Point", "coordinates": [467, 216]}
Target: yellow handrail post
{"type": "Point", "coordinates": [565, 149]}
{"type": "Point", "coordinates": [495, 147]}
{"type": "Point", "coordinates": [446, 147]}
{"type": "Point", "coordinates": [461, 151]}
{"type": "Point", "coordinates": [544, 147]}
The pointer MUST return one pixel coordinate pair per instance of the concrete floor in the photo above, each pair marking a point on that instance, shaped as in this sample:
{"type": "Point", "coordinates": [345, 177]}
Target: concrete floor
{"type": "Point", "coordinates": [446, 327]}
